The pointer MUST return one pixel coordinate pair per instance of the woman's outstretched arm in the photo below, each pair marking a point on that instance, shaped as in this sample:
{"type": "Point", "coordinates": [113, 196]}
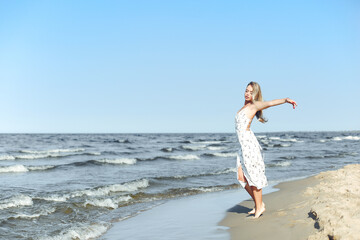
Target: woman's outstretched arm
{"type": "Point", "coordinates": [263, 105]}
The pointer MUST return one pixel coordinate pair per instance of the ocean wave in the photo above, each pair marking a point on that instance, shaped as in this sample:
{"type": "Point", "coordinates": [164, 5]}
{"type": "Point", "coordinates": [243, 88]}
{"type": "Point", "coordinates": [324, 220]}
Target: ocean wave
{"type": "Point", "coordinates": [220, 172]}
{"type": "Point", "coordinates": [21, 168]}
{"type": "Point", "coordinates": [124, 187]}
{"type": "Point", "coordinates": [171, 157]}
{"type": "Point", "coordinates": [13, 168]}
{"type": "Point", "coordinates": [216, 148]}
{"type": "Point", "coordinates": [7, 157]}
{"type": "Point", "coordinates": [38, 156]}
{"type": "Point", "coordinates": [16, 201]}
{"type": "Point", "coordinates": [207, 142]}
{"type": "Point", "coordinates": [183, 157]}
{"type": "Point", "coordinates": [346, 138]}
{"type": "Point", "coordinates": [81, 232]}
{"type": "Point", "coordinates": [100, 191]}
{"type": "Point", "coordinates": [40, 168]}
{"type": "Point", "coordinates": [288, 157]}
{"type": "Point", "coordinates": [228, 170]}
{"type": "Point", "coordinates": [282, 145]}
{"type": "Point", "coordinates": [55, 198]}
{"type": "Point", "coordinates": [107, 203]}
{"type": "Point", "coordinates": [207, 189]}
{"type": "Point", "coordinates": [193, 147]}
{"type": "Point", "coordinates": [64, 150]}
{"type": "Point", "coordinates": [334, 155]}
{"type": "Point", "coordinates": [279, 164]}
{"type": "Point", "coordinates": [261, 136]}
{"type": "Point", "coordinates": [33, 156]}
{"type": "Point", "coordinates": [277, 145]}
{"type": "Point", "coordinates": [284, 139]}
{"type": "Point", "coordinates": [36, 215]}
{"type": "Point", "coordinates": [118, 141]}
{"type": "Point", "coordinates": [168, 149]}
{"type": "Point", "coordinates": [220, 154]}
{"type": "Point", "coordinates": [118, 161]}
{"type": "Point", "coordinates": [180, 192]}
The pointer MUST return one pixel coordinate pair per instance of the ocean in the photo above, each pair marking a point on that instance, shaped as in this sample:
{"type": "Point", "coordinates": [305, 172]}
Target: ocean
{"type": "Point", "coordinates": [74, 186]}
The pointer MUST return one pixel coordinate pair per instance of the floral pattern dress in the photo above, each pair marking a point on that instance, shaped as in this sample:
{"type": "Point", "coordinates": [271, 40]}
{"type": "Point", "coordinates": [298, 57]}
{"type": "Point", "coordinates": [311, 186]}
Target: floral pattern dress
{"type": "Point", "coordinates": [250, 156]}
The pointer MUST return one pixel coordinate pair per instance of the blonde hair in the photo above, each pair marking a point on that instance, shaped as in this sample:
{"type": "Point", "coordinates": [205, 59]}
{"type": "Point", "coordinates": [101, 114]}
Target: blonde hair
{"type": "Point", "coordinates": [257, 96]}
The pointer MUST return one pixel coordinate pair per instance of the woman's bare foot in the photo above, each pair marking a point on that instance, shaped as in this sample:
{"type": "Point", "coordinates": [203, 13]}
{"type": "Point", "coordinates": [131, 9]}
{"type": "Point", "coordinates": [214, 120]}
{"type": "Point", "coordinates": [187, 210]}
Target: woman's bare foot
{"type": "Point", "coordinates": [261, 211]}
{"type": "Point", "coordinates": [253, 210]}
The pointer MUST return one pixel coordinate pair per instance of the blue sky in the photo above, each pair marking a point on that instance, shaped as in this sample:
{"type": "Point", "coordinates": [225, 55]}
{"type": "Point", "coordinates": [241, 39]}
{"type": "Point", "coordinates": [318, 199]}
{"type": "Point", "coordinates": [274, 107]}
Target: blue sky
{"type": "Point", "coordinates": [177, 66]}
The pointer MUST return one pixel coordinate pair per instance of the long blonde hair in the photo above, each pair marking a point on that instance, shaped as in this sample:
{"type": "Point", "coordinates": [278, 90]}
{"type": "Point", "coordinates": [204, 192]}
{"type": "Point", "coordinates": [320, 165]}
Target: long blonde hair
{"type": "Point", "coordinates": [257, 96]}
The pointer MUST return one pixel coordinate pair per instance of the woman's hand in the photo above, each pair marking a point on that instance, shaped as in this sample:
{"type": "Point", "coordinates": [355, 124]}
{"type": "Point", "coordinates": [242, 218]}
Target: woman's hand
{"type": "Point", "coordinates": [292, 102]}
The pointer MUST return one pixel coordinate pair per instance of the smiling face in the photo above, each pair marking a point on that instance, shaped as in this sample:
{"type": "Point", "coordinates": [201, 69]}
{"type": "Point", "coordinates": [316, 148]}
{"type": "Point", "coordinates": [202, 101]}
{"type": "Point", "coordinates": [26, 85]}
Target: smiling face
{"type": "Point", "coordinates": [248, 93]}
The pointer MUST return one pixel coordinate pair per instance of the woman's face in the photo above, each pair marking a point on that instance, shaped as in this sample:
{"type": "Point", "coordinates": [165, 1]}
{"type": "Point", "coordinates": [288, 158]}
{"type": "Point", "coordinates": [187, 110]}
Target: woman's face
{"type": "Point", "coordinates": [248, 93]}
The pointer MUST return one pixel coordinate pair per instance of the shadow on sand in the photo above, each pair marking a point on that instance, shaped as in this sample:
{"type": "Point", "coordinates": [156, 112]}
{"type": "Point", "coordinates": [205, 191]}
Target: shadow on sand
{"type": "Point", "coordinates": [240, 208]}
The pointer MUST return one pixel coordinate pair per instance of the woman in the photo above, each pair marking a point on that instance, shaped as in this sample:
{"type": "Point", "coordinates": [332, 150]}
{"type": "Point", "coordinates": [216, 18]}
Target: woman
{"type": "Point", "coordinates": [251, 170]}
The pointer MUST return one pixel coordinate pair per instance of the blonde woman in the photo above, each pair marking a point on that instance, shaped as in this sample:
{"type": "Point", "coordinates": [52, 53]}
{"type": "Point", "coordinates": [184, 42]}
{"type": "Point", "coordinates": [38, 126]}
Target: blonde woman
{"type": "Point", "coordinates": [250, 163]}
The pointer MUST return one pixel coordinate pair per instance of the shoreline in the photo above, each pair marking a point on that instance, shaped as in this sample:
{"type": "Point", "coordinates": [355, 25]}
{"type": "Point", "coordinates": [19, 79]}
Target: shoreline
{"type": "Point", "coordinates": [189, 217]}
{"type": "Point", "coordinates": [323, 206]}
{"type": "Point", "coordinates": [295, 209]}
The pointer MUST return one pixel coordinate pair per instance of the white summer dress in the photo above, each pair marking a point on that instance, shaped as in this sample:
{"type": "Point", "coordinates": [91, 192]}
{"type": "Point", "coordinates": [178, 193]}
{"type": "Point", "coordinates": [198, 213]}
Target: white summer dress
{"type": "Point", "coordinates": [249, 157]}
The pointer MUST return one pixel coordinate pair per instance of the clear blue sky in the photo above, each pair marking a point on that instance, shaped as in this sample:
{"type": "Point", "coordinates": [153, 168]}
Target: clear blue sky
{"type": "Point", "coordinates": [177, 66]}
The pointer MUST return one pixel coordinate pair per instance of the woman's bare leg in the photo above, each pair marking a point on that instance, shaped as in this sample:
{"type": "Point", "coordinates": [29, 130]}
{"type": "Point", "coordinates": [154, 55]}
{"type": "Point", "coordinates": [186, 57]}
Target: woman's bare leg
{"type": "Point", "coordinates": [248, 189]}
{"type": "Point", "coordinates": [259, 206]}
{"type": "Point", "coordinates": [242, 178]}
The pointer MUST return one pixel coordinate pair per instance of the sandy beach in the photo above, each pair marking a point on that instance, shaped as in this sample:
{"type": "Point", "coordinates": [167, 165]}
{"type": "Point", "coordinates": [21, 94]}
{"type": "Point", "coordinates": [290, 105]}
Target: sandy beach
{"type": "Point", "coordinates": [324, 206]}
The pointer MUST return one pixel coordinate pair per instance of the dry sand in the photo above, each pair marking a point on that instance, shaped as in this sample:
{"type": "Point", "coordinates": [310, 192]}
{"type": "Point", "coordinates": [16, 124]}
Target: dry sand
{"type": "Point", "coordinates": [325, 206]}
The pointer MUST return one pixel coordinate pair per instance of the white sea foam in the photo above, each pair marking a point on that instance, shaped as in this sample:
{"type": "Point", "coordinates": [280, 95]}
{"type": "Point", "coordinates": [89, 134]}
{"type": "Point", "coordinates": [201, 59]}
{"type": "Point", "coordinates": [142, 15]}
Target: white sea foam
{"type": "Point", "coordinates": [102, 191]}
{"type": "Point", "coordinates": [66, 150]}
{"type": "Point", "coordinates": [21, 168]}
{"type": "Point", "coordinates": [31, 154]}
{"type": "Point", "coordinates": [185, 157]}
{"type": "Point", "coordinates": [107, 203]}
{"type": "Point", "coordinates": [284, 164]}
{"type": "Point", "coordinates": [80, 232]}
{"type": "Point", "coordinates": [13, 169]}
{"type": "Point", "coordinates": [274, 138]}
{"type": "Point", "coordinates": [229, 170]}
{"type": "Point", "coordinates": [56, 198]}
{"type": "Point", "coordinates": [37, 156]}
{"type": "Point", "coordinates": [30, 216]}
{"type": "Point", "coordinates": [284, 139]}
{"type": "Point", "coordinates": [40, 168]}
{"type": "Point", "coordinates": [346, 138]}
{"type": "Point", "coordinates": [118, 161]}
{"type": "Point", "coordinates": [16, 201]}
{"type": "Point", "coordinates": [281, 164]}
{"type": "Point", "coordinates": [285, 145]}
{"type": "Point", "coordinates": [261, 136]}
{"type": "Point", "coordinates": [94, 153]}
{"type": "Point", "coordinates": [7, 157]}
{"type": "Point", "coordinates": [207, 189]}
{"type": "Point", "coordinates": [225, 154]}
{"type": "Point", "coordinates": [194, 147]}
{"type": "Point", "coordinates": [216, 148]}
{"type": "Point", "coordinates": [264, 141]}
